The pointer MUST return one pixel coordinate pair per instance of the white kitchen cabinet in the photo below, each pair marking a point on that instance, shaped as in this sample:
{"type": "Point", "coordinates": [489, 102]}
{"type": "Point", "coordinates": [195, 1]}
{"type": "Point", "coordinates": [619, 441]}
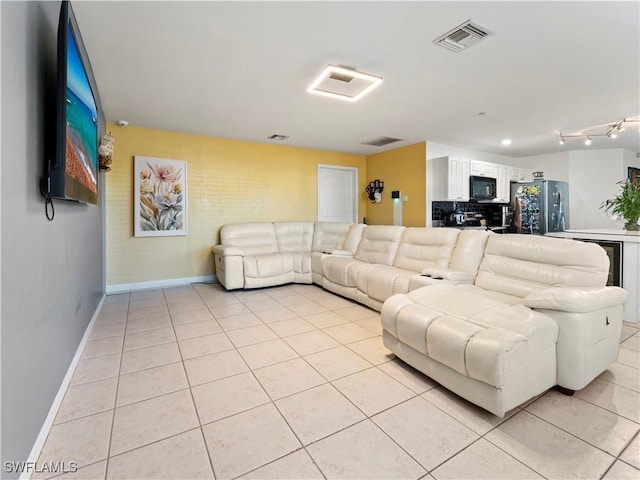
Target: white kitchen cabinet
{"type": "Point", "coordinates": [482, 169]}
{"type": "Point", "coordinates": [503, 185]}
{"type": "Point", "coordinates": [517, 174]}
{"type": "Point", "coordinates": [449, 179]}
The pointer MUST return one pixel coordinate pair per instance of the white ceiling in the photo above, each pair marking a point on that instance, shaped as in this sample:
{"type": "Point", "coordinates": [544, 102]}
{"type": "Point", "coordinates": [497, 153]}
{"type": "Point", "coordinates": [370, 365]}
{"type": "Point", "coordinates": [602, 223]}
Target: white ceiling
{"type": "Point", "coordinates": [241, 69]}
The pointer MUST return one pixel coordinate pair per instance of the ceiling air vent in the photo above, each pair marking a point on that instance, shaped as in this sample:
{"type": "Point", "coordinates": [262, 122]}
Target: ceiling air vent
{"type": "Point", "coordinates": [462, 36]}
{"type": "Point", "coordinates": [381, 141]}
{"type": "Point", "coordinates": [276, 136]}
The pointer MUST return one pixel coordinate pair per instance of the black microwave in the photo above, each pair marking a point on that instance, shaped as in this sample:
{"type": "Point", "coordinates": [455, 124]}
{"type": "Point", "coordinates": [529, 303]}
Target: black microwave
{"type": "Point", "coordinates": [482, 188]}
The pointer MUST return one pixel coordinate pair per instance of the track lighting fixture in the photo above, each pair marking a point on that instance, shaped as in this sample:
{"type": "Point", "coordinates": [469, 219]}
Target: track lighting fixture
{"type": "Point", "coordinates": [610, 130]}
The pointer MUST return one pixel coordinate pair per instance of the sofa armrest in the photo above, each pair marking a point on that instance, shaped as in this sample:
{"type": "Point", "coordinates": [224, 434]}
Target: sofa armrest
{"type": "Point", "coordinates": [577, 300]}
{"type": "Point", "coordinates": [446, 274]}
{"type": "Point", "coordinates": [226, 251]}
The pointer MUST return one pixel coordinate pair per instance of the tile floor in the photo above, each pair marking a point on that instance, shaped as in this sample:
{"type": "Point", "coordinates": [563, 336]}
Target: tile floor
{"type": "Point", "coordinates": [293, 382]}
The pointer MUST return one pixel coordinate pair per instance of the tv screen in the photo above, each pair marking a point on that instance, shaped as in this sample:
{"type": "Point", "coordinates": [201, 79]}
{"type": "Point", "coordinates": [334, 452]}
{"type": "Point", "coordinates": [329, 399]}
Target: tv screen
{"type": "Point", "coordinates": [79, 118]}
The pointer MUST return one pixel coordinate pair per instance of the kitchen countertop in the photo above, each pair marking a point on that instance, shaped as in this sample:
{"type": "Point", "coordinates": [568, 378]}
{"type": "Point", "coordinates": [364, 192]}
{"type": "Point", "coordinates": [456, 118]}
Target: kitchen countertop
{"type": "Point", "coordinates": [618, 235]}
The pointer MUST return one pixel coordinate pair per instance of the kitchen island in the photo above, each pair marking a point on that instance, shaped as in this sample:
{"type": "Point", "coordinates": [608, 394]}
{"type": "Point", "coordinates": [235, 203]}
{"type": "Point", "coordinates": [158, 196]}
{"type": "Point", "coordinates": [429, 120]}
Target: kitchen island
{"type": "Point", "coordinates": [623, 248]}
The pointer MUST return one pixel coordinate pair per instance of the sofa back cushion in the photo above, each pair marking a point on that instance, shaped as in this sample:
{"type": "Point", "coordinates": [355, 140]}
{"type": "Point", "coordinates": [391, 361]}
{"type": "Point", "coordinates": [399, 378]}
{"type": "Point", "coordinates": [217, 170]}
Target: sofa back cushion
{"type": "Point", "coordinates": [518, 265]}
{"type": "Point", "coordinates": [421, 248]}
{"type": "Point", "coordinates": [469, 250]}
{"type": "Point", "coordinates": [353, 237]}
{"type": "Point", "coordinates": [294, 236]}
{"type": "Point", "coordinates": [329, 236]}
{"type": "Point", "coordinates": [379, 244]}
{"type": "Point", "coordinates": [254, 238]}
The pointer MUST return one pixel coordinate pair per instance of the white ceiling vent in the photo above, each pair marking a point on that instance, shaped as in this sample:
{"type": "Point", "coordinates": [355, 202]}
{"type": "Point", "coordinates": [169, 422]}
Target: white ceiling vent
{"type": "Point", "coordinates": [381, 141]}
{"type": "Point", "coordinates": [462, 36]}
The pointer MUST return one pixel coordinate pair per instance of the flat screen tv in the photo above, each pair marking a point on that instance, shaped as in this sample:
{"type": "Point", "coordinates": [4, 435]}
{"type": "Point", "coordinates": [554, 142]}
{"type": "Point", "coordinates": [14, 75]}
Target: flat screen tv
{"type": "Point", "coordinates": [73, 172]}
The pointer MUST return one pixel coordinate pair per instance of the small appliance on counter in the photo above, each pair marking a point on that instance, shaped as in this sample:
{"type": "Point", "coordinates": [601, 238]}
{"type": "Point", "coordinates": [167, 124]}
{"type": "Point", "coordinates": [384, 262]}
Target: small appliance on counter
{"type": "Point", "coordinates": [540, 206]}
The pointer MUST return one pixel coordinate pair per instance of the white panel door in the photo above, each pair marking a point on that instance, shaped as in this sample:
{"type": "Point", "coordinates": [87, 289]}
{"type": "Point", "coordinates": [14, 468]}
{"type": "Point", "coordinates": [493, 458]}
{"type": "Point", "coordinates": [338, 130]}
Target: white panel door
{"type": "Point", "coordinates": [337, 194]}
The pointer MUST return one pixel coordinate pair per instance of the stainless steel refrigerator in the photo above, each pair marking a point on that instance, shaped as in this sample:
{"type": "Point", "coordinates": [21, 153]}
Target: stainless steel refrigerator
{"type": "Point", "coordinates": [540, 206]}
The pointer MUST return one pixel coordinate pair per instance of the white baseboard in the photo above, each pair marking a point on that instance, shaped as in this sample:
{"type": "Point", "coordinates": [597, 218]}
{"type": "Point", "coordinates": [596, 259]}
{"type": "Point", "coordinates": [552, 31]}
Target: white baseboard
{"type": "Point", "coordinates": [57, 401]}
{"type": "Point", "coordinates": [171, 282]}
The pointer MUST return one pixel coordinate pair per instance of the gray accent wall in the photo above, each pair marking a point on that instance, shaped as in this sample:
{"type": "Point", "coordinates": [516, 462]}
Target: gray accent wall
{"type": "Point", "coordinates": [52, 272]}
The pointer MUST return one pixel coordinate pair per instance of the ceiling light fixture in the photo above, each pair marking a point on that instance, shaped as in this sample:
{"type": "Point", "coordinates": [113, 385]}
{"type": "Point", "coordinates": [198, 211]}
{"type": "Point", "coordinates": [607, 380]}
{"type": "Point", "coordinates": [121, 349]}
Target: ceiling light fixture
{"type": "Point", "coordinates": [610, 130]}
{"type": "Point", "coordinates": [506, 141]}
{"type": "Point", "coordinates": [343, 83]}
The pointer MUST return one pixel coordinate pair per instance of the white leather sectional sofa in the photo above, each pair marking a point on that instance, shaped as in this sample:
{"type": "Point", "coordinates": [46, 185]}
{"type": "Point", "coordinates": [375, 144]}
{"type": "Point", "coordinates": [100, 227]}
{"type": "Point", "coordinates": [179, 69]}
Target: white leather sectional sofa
{"type": "Point", "coordinates": [498, 319]}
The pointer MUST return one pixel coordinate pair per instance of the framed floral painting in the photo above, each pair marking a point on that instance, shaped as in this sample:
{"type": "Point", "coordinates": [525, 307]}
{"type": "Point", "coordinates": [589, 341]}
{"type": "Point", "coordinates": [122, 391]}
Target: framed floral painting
{"type": "Point", "coordinates": [160, 197]}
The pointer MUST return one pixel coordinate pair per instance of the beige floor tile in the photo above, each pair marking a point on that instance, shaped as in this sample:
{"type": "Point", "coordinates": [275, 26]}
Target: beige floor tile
{"type": "Point", "coordinates": [114, 308]}
{"type": "Point", "coordinates": [152, 301]}
{"type": "Point", "coordinates": [150, 383]}
{"type": "Point", "coordinates": [110, 317]}
{"type": "Point", "coordinates": [186, 306]}
{"type": "Point", "coordinates": [145, 422]}
{"type": "Point", "coordinates": [196, 329]}
{"type": "Point", "coordinates": [103, 346]}
{"type": "Point", "coordinates": [408, 376]}
{"type": "Point", "coordinates": [318, 294]}
{"type": "Point", "coordinates": [261, 305]}
{"type": "Point", "coordinates": [482, 460]}
{"type": "Point", "coordinates": [97, 368]}
{"type": "Point", "coordinates": [95, 471]}
{"type": "Point", "coordinates": [622, 375]}
{"type": "Point", "coordinates": [363, 451]}
{"type": "Point", "coordinates": [357, 312]}
{"type": "Point", "coordinates": [228, 310]}
{"type": "Point", "coordinates": [621, 471]}
{"type": "Point", "coordinates": [249, 296]}
{"type": "Point", "coordinates": [372, 390]}
{"type": "Point", "coordinates": [201, 315]}
{"type": "Point", "coordinates": [348, 333]}
{"type": "Point", "coordinates": [228, 396]}
{"type": "Point", "coordinates": [372, 350]}
{"type": "Point", "coordinates": [594, 425]}
{"type": "Point", "coordinates": [549, 451]}
{"type": "Point", "coordinates": [631, 454]}
{"type": "Point", "coordinates": [310, 308]}
{"type": "Point", "coordinates": [84, 441]}
{"type": "Point", "coordinates": [318, 412]}
{"type": "Point", "coordinates": [87, 399]}
{"type": "Point", "coordinates": [632, 343]}
{"type": "Point", "coordinates": [151, 293]}
{"type": "Point", "coordinates": [337, 362]}
{"type": "Point", "coordinates": [629, 357]}
{"type": "Point", "coordinates": [243, 320]}
{"type": "Point", "coordinates": [334, 302]}
{"type": "Point", "coordinates": [148, 338]}
{"type": "Point", "coordinates": [311, 342]}
{"type": "Point", "coordinates": [251, 335]}
{"type": "Point", "coordinates": [325, 319]}
{"type": "Point", "coordinates": [477, 419]}
{"type": "Point", "coordinates": [295, 466]}
{"type": "Point", "coordinates": [288, 378]}
{"type": "Point", "coordinates": [214, 367]}
{"type": "Point", "coordinates": [627, 331]}
{"type": "Point", "coordinates": [267, 353]}
{"type": "Point", "coordinates": [182, 456]}
{"type": "Point", "coordinates": [206, 345]}
{"type": "Point", "coordinates": [149, 357]}
{"type": "Point", "coordinates": [116, 298]}
{"type": "Point", "coordinates": [612, 397]}
{"type": "Point", "coordinates": [276, 314]}
{"type": "Point", "coordinates": [106, 330]}
{"type": "Point", "coordinates": [291, 326]}
{"type": "Point", "coordinates": [248, 440]}
{"type": "Point", "coordinates": [427, 433]}
{"type": "Point", "coordinates": [295, 299]}
{"type": "Point", "coordinates": [148, 323]}
{"type": "Point", "coordinates": [221, 300]}
{"type": "Point", "coordinates": [147, 312]}
{"type": "Point", "coordinates": [372, 324]}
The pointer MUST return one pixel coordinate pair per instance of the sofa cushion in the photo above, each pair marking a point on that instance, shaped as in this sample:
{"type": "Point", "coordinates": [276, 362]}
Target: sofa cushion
{"type": "Point", "coordinates": [294, 236]}
{"type": "Point", "coordinates": [421, 248]}
{"type": "Point", "coordinates": [469, 250]}
{"type": "Point", "coordinates": [518, 265]}
{"type": "Point", "coordinates": [249, 238]}
{"type": "Point", "coordinates": [379, 244]}
{"type": "Point", "coordinates": [268, 265]}
{"type": "Point", "coordinates": [329, 236]}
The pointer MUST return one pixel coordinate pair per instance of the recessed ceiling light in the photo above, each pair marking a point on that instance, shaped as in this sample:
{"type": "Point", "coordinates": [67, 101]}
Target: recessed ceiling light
{"type": "Point", "coordinates": [506, 141]}
{"type": "Point", "coordinates": [344, 83]}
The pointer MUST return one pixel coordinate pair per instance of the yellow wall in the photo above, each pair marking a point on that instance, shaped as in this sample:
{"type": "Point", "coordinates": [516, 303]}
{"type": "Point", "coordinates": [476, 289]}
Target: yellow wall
{"type": "Point", "coordinates": [401, 169]}
{"type": "Point", "coordinates": [229, 181]}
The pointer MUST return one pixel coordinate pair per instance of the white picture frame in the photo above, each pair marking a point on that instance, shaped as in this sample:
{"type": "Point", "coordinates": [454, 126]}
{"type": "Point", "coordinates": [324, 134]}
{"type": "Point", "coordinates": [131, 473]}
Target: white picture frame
{"type": "Point", "coordinates": [160, 197]}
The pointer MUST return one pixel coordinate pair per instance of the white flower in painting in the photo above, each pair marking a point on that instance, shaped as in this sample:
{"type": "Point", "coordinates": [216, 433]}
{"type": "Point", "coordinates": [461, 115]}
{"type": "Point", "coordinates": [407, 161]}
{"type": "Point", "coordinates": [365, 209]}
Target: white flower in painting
{"type": "Point", "coordinates": [165, 201]}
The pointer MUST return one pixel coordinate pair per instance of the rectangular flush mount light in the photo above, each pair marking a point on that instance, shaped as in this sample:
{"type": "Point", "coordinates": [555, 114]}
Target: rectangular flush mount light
{"type": "Point", "coordinates": [344, 83]}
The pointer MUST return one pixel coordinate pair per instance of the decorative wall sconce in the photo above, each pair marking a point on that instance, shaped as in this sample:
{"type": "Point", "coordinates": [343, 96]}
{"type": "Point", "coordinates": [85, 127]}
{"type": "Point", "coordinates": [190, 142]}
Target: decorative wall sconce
{"type": "Point", "coordinates": [105, 152]}
{"type": "Point", "coordinates": [374, 190]}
